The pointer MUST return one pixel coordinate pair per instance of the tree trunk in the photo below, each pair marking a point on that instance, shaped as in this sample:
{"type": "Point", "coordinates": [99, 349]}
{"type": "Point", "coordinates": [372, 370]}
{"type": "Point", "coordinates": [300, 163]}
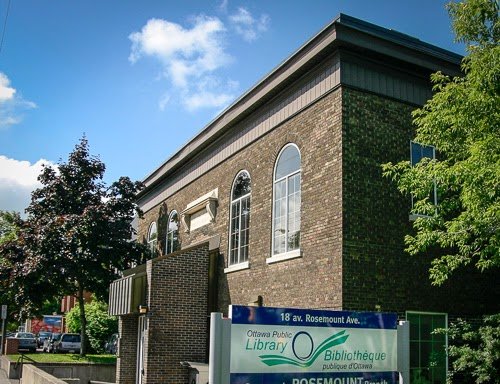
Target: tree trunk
{"type": "Point", "coordinates": [83, 321]}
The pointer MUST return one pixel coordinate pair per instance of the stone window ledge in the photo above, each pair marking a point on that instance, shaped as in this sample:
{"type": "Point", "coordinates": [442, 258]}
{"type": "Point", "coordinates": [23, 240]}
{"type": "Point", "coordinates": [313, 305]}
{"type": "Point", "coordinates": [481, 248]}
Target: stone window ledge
{"type": "Point", "coordinates": [237, 267]}
{"type": "Point", "coordinates": [284, 256]}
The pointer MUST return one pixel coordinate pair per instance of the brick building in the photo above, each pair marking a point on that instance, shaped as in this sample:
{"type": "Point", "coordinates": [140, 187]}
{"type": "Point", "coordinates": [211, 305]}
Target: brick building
{"type": "Point", "coordinates": [281, 201]}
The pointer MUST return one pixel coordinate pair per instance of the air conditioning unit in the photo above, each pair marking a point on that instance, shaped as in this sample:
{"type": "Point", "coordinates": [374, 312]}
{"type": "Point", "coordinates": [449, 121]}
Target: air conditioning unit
{"type": "Point", "coordinates": [198, 372]}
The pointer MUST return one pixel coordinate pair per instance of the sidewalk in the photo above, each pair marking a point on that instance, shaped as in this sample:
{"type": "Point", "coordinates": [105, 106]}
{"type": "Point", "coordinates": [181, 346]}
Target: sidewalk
{"type": "Point", "coordinates": [5, 380]}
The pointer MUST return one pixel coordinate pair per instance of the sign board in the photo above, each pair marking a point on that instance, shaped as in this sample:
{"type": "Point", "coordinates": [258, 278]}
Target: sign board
{"type": "Point", "coordinates": [301, 346]}
{"type": "Point", "coordinates": [4, 312]}
{"type": "Point", "coordinates": [54, 321]}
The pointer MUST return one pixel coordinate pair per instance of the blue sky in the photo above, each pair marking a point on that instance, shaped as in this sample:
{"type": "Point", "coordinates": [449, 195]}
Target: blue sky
{"type": "Point", "coordinates": [141, 78]}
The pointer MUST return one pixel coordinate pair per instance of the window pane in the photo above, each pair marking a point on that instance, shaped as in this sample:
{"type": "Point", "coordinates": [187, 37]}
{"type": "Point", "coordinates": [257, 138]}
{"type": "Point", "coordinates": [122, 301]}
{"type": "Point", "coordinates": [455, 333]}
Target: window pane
{"type": "Point", "coordinates": [153, 234]}
{"type": "Point", "coordinates": [427, 351]}
{"type": "Point", "coordinates": [427, 151]}
{"type": "Point", "coordinates": [279, 189]}
{"type": "Point", "coordinates": [419, 151]}
{"type": "Point", "coordinates": [240, 220]}
{"type": "Point", "coordinates": [416, 153]}
{"type": "Point", "coordinates": [288, 162]}
{"type": "Point", "coordinates": [242, 185]}
{"type": "Point", "coordinates": [173, 233]}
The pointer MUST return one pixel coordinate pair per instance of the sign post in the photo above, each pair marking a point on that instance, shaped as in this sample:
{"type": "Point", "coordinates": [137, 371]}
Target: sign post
{"type": "Point", "coordinates": [4, 317]}
{"type": "Point", "coordinates": [220, 336]}
{"type": "Point", "coordinates": [301, 346]}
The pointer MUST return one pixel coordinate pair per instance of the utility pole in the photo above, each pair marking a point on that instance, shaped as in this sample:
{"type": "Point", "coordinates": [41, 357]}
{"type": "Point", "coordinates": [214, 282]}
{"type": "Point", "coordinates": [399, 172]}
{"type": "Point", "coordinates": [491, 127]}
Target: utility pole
{"type": "Point", "coordinates": [4, 317]}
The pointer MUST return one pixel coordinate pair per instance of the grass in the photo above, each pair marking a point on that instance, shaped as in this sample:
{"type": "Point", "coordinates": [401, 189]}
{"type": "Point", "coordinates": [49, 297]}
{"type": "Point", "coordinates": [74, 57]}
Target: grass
{"type": "Point", "coordinates": [65, 358]}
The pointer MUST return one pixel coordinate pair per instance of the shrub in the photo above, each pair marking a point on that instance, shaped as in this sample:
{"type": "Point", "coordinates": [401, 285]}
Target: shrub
{"type": "Point", "coordinates": [100, 326]}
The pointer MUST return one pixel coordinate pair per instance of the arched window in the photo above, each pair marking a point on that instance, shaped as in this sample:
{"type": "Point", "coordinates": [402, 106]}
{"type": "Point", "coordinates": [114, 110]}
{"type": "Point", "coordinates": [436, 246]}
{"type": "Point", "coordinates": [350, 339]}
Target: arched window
{"type": "Point", "coordinates": [286, 202]}
{"type": "Point", "coordinates": [240, 219]}
{"type": "Point", "coordinates": [173, 232]}
{"type": "Point", "coordinates": [152, 238]}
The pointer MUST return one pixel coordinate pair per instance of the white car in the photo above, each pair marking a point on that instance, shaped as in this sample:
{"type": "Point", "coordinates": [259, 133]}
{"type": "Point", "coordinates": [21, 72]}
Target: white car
{"type": "Point", "coordinates": [69, 342]}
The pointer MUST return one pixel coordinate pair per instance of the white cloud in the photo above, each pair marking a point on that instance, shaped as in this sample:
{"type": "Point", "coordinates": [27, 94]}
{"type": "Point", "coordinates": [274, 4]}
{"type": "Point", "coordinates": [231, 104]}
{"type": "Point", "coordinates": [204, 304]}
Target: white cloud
{"type": "Point", "coordinates": [185, 53]}
{"type": "Point", "coordinates": [190, 58]}
{"type": "Point", "coordinates": [205, 97]}
{"type": "Point", "coordinates": [6, 92]}
{"type": "Point", "coordinates": [11, 104]}
{"type": "Point", "coordinates": [247, 26]}
{"type": "Point", "coordinates": [164, 100]}
{"type": "Point", "coordinates": [17, 180]}
{"type": "Point", "coordinates": [223, 6]}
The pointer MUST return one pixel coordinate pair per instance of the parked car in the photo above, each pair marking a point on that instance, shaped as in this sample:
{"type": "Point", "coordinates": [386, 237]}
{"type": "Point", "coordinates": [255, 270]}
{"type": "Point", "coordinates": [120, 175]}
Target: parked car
{"type": "Point", "coordinates": [41, 337]}
{"type": "Point", "coordinates": [48, 344]}
{"type": "Point", "coordinates": [27, 341]}
{"type": "Point", "coordinates": [69, 342]}
{"type": "Point", "coordinates": [111, 345]}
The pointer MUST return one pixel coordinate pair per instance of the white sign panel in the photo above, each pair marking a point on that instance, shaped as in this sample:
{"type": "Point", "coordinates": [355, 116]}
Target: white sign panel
{"type": "Point", "coordinates": [298, 346]}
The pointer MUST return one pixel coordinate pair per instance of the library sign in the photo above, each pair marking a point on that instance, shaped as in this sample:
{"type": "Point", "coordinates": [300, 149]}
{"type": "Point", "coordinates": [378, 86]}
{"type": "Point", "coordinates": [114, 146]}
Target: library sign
{"type": "Point", "coordinates": [300, 346]}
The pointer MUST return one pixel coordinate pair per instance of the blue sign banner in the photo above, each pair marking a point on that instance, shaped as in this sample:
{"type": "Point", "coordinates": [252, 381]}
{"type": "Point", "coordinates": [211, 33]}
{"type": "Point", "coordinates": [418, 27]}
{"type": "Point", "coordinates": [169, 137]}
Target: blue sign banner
{"type": "Point", "coordinates": [316, 378]}
{"type": "Point", "coordinates": [312, 317]}
{"type": "Point", "coordinates": [53, 320]}
{"type": "Point", "coordinates": [302, 346]}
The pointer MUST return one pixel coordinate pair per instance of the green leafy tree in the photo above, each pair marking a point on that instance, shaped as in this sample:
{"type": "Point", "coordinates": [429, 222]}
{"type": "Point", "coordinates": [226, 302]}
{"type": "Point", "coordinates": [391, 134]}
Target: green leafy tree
{"type": "Point", "coordinates": [23, 293]}
{"type": "Point", "coordinates": [9, 224]}
{"type": "Point", "coordinates": [100, 325]}
{"type": "Point", "coordinates": [77, 232]}
{"type": "Point", "coordinates": [462, 121]}
{"type": "Point", "coordinates": [474, 351]}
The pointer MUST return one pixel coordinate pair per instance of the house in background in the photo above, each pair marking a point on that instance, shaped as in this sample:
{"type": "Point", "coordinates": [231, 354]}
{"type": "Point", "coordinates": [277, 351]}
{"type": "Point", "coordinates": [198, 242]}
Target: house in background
{"type": "Point", "coordinates": [69, 302]}
{"type": "Point", "coordinates": [281, 201]}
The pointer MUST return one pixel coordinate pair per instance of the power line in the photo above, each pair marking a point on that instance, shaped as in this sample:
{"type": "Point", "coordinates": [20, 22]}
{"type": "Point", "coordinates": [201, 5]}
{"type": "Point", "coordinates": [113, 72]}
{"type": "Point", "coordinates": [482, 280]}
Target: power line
{"type": "Point", "coordinates": [4, 25]}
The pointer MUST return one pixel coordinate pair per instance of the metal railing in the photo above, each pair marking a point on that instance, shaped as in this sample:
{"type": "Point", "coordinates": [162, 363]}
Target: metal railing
{"type": "Point", "coordinates": [19, 363]}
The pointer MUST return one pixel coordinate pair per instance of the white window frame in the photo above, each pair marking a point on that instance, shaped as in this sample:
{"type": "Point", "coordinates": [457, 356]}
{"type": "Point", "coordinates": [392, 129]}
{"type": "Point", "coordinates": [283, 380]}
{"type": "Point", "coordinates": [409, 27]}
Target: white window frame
{"type": "Point", "coordinates": [445, 325]}
{"type": "Point", "coordinates": [414, 216]}
{"type": "Point", "coordinates": [240, 264]}
{"type": "Point", "coordinates": [153, 243]}
{"type": "Point", "coordinates": [169, 232]}
{"type": "Point", "coordinates": [292, 254]}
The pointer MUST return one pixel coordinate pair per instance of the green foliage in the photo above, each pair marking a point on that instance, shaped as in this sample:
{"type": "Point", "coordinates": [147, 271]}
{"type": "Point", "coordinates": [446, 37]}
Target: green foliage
{"type": "Point", "coordinates": [462, 121]}
{"type": "Point", "coordinates": [66, 358]}
{"type": "Point", "coordinates": [9, 224]}
{"type": "Point", "coordinates": [77, 234]}
{"type": "Point", "coordinates": [475, 351]}
{"type": "Point", "coordinates": [100, 326]}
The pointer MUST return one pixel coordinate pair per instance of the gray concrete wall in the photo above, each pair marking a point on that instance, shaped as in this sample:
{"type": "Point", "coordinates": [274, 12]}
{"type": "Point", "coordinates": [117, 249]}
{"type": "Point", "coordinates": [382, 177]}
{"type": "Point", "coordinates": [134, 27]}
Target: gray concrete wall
{"type": "Point", "coordinates": [84, 372]}
{"type": "Point", "coordinates": [35, 375]}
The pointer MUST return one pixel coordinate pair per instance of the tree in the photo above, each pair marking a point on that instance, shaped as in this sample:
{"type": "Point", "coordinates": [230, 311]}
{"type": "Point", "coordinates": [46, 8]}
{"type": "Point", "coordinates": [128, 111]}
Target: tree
{"type": "Point", "coordinates": [100, 325]}
{"type": "Point", "coordinates": [475, 351]}
{"type": "Point", "coordinates": [462, 121]}
{"type": "Point", "coordinates": [77, 232]}
{"type": "Point", "coordinates": [9, 224]}
{"type": "Point", "coordinates": [15, 286]}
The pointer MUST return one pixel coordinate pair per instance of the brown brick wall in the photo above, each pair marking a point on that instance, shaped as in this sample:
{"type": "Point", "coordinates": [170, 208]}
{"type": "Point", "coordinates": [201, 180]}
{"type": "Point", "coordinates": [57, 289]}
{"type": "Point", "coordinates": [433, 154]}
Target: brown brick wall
{"type": "Point", "coordinates": [353, 219]}
{"type": "Point", "coordinates": [312, 281]}
{"type": "Point", "coordinates": [377, 270]}
{"type": "Point", "coordinates": [178, 323]}
{"type": "Point", "coordinates": [127, 349]}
